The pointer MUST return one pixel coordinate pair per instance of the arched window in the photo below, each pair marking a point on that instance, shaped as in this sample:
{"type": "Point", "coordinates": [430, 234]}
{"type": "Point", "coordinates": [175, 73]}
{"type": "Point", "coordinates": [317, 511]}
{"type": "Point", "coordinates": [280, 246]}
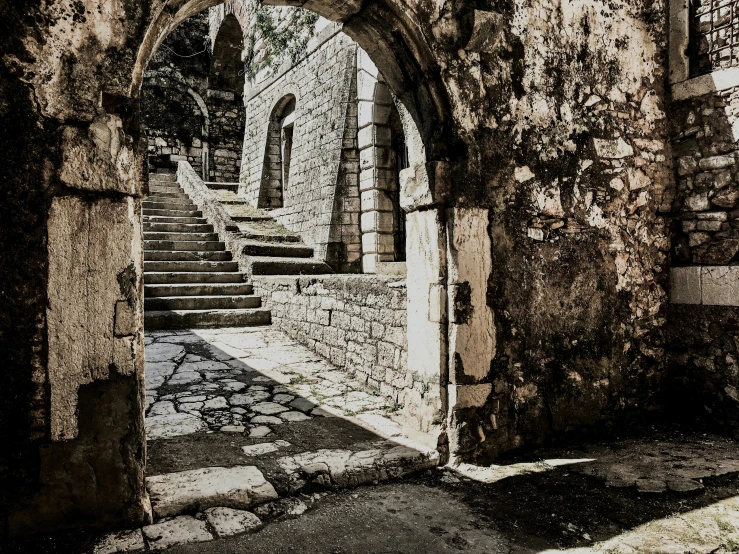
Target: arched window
{"type": "Point", "coordinates": [278, 154]}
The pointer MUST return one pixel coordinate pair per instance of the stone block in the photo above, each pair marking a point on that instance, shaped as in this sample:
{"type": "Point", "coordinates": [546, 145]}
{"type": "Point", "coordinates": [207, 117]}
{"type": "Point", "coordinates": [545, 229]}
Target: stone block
{"type": "Point", "coordinates": [468, 396]}
{"type": "Point", "coordinates": [380, 222]}
{"type": "Point", "coordinates": [685, 285]}
{"type": "Point", "coordinates": [716, 162]}
{"type": "Point", "coordinates": [720, 286]}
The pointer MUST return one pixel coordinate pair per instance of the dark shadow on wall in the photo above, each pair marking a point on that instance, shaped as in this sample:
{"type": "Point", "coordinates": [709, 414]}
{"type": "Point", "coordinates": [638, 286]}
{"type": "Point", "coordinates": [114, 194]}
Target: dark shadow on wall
{"type": "Point", "coordinates": [702, 382]}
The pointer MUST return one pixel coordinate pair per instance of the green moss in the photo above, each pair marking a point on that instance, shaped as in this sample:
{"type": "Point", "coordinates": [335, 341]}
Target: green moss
{"type": "Point", "coordinates": [289, 43]}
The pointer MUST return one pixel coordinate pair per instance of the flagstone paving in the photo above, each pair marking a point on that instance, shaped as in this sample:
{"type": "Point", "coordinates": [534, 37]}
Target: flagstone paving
{"type": "Point", "coordinates": [246, 418]}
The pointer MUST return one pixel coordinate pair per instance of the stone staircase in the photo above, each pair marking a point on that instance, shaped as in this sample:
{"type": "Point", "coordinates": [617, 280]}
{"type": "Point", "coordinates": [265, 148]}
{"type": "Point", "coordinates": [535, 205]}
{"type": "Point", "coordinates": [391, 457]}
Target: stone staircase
{"type": "Point", "coordinates": [270, 248]}
{"type": "Point", "coordinates": [190, 279]}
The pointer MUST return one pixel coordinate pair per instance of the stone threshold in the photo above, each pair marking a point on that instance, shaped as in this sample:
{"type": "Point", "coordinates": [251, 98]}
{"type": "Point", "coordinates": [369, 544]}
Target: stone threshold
{"type": "Point", "coordinates": [221, 498]}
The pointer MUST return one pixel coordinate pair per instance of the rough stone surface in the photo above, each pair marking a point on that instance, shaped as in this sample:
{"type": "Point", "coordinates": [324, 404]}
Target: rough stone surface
{"type": "Point", "coordinates": [180, 530]}
{"type": "Point", "coordinates": [227, 522]}
{"type": "Point", "coordinates": [235, 487]}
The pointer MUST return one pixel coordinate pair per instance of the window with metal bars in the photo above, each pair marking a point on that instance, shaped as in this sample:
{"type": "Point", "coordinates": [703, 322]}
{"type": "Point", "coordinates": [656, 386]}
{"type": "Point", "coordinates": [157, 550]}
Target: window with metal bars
{"type": "Point", "coordinates": [714, 41]}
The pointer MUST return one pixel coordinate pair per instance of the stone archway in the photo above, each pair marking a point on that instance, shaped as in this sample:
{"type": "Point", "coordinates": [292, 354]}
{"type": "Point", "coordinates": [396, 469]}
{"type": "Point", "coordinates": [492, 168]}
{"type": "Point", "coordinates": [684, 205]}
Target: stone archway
{"type": "Point", "coordinates": [79, 447]}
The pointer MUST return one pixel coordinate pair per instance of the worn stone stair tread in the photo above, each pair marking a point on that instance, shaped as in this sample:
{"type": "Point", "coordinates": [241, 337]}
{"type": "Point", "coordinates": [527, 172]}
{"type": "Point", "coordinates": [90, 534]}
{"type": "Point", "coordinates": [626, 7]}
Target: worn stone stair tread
{"type": "Point", "coordinates": [191, 319]}
{"type": "Point", "coordinates": [238, 487]}
{"type": "Point", "coordinates": [187, 256]}
{"type": "Point", "coordinates": [215, 302]}
{"type": "Point", "coordinates": [172, 213]}
{"type": "Point", "coordinates": [276, 249]}
{"type": "Point", "coordinates": [165, 219]}
{"type": "Point", "coordinates": [268, 265]}
{"type": "Point", "coordinates": [161, 227]}
{"type": "Point", "coordinates": [183, 245]}
{"type": "Point", "coordinates": [197, 289]}
{"type": "Point", "coordinates": [173, 236]}
{"type": "Point", "coordinates": [222, 186]}
{"type": "Point", "coordinates": [190, 266]}
{"type": "Point", "coordinates": [172, 278]}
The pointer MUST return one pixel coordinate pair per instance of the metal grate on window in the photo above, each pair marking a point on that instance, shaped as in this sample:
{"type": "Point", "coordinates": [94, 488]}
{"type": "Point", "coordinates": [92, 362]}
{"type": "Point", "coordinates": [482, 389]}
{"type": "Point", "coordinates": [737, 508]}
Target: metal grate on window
{"type": "Point", "coordinates": [715, 35]}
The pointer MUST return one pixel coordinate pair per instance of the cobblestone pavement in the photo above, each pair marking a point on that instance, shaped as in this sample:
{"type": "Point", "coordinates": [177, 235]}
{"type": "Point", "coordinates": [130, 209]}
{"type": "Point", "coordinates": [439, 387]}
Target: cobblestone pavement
{"type": "Point", "coordinates": [243, 424]}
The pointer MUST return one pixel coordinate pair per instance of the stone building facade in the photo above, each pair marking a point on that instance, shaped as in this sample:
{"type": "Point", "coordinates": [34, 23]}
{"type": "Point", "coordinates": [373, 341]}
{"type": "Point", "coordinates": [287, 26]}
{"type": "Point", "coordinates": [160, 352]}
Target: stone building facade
{"type": "Point", "coordinates": [550, 208]}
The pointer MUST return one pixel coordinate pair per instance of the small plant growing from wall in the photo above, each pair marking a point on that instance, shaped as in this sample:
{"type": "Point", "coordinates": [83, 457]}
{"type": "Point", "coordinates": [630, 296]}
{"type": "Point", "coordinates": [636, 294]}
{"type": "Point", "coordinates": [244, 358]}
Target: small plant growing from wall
{"type": "Point", "coordinates": [268, 46]}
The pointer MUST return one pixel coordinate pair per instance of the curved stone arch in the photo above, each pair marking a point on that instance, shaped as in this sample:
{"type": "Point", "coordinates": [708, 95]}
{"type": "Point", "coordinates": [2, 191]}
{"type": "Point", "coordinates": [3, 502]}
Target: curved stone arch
{"type": "Point", "coordinates": [226, 68]}
{"type": "Point", "coordinates": [276, 162]}
{"type": "Point", "coordinates": [385, 30]}
{"type": "Point", "coordinates": [391, 39]}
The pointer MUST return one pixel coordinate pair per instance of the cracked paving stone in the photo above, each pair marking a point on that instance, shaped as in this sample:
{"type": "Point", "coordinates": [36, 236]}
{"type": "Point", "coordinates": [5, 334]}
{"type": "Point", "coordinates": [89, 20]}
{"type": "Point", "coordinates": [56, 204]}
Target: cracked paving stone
{"type": "Point", "coordinates": [163, 352]}
{"type": "Point", "coordinates": [228, 522]}
{"type": "Point", "coordinates": [294, 417]}
{"type": "Point", "coordinates": [264, 448]}
{"type": "Point", "coordinates": [251, 397]}
{"type": "Point", "coordinates": [266, 420]}
{"type": "Point", "coordinates": [185, 378]}
{"type": "Point", "coordinates": [235, 487]}
{"type": "Point", "coordinates": [162, 408]}
{"type": "Point", "coordinates": [206, 365]}
{"type": "Point", "coordinates": [157, 373]}
{"type": "Point", "coordinates": [233, 429]}
{"type": "Point", "coordinates": [173, 425]}
{"type": "Point", "coordinates": [283, 398]}
{"type": "Point", "coordinates": [268, 408]}
{"type": "Point", "coordinates": [180, 530]}
{"type": "Point", "coordinates": [259, 431]}
{"type": "Point", "coordinates": [217, 403]}
{"type": "Point", "coordinates": [302, 404]}
{"type": "Point", "coordinates": [124, 541]}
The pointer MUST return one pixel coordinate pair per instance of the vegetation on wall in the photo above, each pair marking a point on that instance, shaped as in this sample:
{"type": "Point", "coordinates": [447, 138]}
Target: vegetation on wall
{"type": "Point", "coordinates": [278, 46]}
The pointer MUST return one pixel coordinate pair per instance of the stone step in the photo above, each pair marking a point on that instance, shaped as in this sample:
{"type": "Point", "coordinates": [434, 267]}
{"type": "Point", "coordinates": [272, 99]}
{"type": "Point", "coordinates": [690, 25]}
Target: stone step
{"type": "Point", "coordinates": [165, 187]}
{"type": "Point", "coordinates": [165, 177]}
{"type": "Point", "coordinates": [168, 219]}
{"type": "Point", "coordinates": [271, 249]}
{"type": "Point", "coordinates": [177, 227]}
{"type": "Point", "coordinates": [194, 319]}
{"type": "Point", "coordinates": [169, 205]}
{"type": "Point", "coordinates": [232, 187]}
{"type": "Point", "coordinates": [180, 278]}
{"type": "Point", "coordinates": [264, 265]}
{"type": "Point", "coordinates": [221, 302]}
{"type": "Point", "coordinates": [250, 218]}
{"type": "Point", "coordinates": [149, 212]}
{"type": "Point", "coordinates": [198, 289]}
{"type": "Point", "coordinates": [205, 237]}
{"type": "Point", "coordinates": [186, 256]}
{"type": "Point", "coordinates": [183, 245]}
{"type": "Point", "coordinates": [189, 266]}
{"type": "Point", "coordinates": [168, 194]}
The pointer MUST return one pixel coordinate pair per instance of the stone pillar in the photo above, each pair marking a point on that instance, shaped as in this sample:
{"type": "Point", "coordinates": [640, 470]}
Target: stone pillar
{"type": "Point", "coordinates": [472, 339]}
{"type": "Point", "coordinates": [375, 103]}
{"type": "Point", "coordinates": [91, 461]}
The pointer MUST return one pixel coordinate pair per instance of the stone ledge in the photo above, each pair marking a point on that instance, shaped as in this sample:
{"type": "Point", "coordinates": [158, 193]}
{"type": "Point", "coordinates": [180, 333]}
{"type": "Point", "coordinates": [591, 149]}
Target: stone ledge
{"type": "Point", "coordinates": [705, 285]}
{"type": "Point", "coordinates": [705, 84]}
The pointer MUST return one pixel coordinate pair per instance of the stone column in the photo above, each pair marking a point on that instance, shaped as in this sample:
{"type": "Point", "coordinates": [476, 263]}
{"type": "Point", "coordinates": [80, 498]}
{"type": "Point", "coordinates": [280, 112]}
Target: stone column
{"type": "Point", "coordinates": [377, 173]}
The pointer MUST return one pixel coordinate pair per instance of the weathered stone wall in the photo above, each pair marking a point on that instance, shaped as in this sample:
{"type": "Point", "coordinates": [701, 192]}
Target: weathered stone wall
{"type": "Point", "coordinates": [226, 136]}
{"type": "Point", "coordinates": [358, 323]}
{"type": "Point", "coordinates": [536, 245]}
{"type": "Point", "coordinates": [555, 323]}
{"type": "Point", "coordinates": [322, 86]}
{"type": "Point", "coordinates": [706, 153]}
{"type": "Point", "coordinates": [704, 130]}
